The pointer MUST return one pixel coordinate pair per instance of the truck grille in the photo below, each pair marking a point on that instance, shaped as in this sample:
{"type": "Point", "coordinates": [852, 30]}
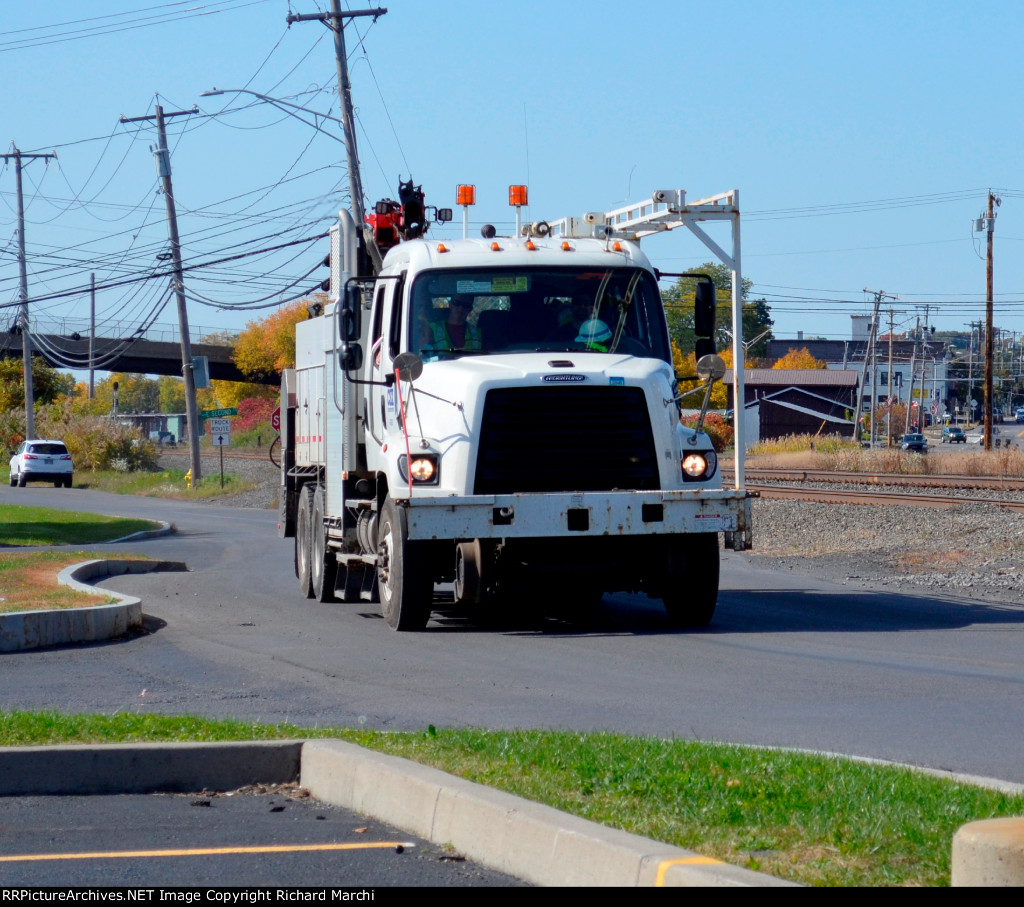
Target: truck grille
{"type": "Point", "coordinates": [547, 439]}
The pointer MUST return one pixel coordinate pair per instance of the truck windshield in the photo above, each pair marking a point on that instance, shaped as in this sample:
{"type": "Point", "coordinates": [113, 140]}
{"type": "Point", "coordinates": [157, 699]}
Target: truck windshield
{"type": "Point", "coordinates": [479, 311]}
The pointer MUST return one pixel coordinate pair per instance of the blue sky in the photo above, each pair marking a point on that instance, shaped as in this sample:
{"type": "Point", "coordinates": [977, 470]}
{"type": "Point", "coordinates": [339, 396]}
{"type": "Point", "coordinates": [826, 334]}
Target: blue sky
{"type": "Point", "coordinates": [863, 138]}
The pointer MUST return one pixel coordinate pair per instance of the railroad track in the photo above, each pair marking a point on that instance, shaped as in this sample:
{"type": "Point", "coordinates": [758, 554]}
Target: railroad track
{"type": "Point", "coordinates": [182, 451]}
{"type": "Point", "coordinates": [874, 498]}
{"type": "Point", "coordinates": [993, 483]}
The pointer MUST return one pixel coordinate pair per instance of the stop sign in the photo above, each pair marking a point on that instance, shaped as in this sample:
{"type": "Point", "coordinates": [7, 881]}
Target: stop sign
{"type": "Point", "coordinates": [275, 420]}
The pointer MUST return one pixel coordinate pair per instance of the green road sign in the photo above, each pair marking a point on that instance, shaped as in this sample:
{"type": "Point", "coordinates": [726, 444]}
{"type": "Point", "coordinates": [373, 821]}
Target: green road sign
{"type": "Point", "coordinates": [215, 413]}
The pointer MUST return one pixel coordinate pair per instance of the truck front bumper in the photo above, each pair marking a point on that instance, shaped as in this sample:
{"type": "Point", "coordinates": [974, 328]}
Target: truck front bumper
{"type": "Point", "coordinates": [567, 515]}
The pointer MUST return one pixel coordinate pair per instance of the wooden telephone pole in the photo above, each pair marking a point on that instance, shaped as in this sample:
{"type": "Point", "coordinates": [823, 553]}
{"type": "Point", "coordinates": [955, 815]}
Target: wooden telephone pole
{"type": "Point", "coordinates": [163, 167]}
{"type": "Point", "coordinates": [26, 334]}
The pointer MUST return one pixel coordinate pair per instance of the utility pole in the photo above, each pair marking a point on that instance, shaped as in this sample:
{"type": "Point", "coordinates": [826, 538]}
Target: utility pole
{"type": "Point", "coordinates": [870, 354]}
{"type": "Point", "coordinates": [92, 336]}
{"type": "Point", "coordinates": [888, 413]}
{"type": "Point", "coordinates": [910, 393]}
{"type": "Point", "coordinates": [163, 167]}
{"type": "Point", "coordinates": [335, 21]}
{"type": "Point", "coordinates": [987, 224]}
{"type": "Point", "coordinates": [26, 334]}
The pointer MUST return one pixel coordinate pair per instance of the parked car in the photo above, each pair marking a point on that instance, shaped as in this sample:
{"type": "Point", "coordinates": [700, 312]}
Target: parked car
{"type": "Point", "coordinates": [915, 441]}
{"type": "Point", "coordinates": [1018, 414]}
{"type": "Point", "coordinates": [39, 460]}
{"type": "Point", "coordinates": [954, 435]}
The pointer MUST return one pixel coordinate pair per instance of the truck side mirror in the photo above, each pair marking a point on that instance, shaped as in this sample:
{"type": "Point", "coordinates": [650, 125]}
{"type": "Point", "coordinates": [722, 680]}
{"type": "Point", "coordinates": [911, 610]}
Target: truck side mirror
{"type": "Point", "coordinates": [704, 304]}
{"type": "Point", "coordinates": [350, 356]}
{"type": "Point", "coordinates": [351, 309]}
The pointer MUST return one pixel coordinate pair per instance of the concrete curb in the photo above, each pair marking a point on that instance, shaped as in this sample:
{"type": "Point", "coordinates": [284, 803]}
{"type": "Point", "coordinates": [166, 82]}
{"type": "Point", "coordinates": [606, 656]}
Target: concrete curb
{"type": "Point", "coordinates": [528, 840]}
{"type": "Point", "coordinates": [532, 842]}
{"type": "Point", "coordinates": [34, 629]}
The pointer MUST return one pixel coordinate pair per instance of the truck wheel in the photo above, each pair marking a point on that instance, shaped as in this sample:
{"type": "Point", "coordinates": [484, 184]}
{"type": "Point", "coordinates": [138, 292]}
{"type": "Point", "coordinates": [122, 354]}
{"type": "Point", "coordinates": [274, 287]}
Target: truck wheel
{"type": "Point", "coordinates": [691, 579]}
{"type": "Point", "coordinates": [323, 567]}
{"type": "Point", "coordinates": [403, 576]}
{"type": "Point", "coordinates": [303, 540]}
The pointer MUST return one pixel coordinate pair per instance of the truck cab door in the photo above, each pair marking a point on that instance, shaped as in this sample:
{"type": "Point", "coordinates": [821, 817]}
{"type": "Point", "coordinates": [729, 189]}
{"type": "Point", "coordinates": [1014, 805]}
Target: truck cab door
{"type": "Point", "coordinates": [386, 343]}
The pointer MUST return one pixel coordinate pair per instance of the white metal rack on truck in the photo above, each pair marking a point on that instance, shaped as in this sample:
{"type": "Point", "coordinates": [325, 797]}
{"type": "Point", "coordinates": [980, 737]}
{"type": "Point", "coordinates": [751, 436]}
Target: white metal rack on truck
{"type": "Point", "coordinates": [502, 414]}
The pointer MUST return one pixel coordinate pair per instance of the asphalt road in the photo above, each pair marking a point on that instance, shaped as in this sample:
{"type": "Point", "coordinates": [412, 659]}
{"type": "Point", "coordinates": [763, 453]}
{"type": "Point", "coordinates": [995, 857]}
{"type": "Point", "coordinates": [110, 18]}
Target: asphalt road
{"type": "Point", "coordinates": [788, 661]}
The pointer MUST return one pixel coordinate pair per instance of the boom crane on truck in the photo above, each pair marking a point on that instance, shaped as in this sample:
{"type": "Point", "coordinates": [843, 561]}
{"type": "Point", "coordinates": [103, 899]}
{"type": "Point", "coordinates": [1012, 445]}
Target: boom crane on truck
{"type": "Point", "coordinates": [502, 414]}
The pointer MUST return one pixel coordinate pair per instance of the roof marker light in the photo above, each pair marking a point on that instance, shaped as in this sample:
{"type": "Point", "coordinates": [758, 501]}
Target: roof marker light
{"type": "Point", "coordinates": [566, 247]}
{"type": "Point", "coordinates": [617, 246]}
{"type": "Point", "coordinates": [495, 247]}
{"type": "Point", "coordinates": [441, 247]}
{"type": "Point", "coordinates": [530, 247]}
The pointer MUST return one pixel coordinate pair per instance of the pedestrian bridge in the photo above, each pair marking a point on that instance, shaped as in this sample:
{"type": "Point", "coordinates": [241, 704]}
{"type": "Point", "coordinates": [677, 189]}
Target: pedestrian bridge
{"type": "Point", "coordinates": [64, 344]}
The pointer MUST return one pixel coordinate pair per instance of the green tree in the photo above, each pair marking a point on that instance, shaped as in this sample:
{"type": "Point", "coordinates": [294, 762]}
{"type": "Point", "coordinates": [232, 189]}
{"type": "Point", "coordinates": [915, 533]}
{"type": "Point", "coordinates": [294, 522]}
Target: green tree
{"type": "Point", "coordinates": [679, 298]}
{"type": "Point", "coordinates": [172, 394]}
{"type": "Point", "coordinates": [135, 394]}
{"type": "Point", "coordinates": [48, 384]}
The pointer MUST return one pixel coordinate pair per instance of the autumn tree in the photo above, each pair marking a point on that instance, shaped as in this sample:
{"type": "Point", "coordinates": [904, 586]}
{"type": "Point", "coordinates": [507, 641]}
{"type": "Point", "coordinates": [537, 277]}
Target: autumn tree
{"type": "Point", "coordinates": [231, 393]}
{"type": "Point", "coordinates": [136, 393]}
{"type": "Point", "coordinates": [686, 369]}
{"type": "Point", "coordinates": [48, 384]}
{"type": "Point", "coordinates": [267, 347]}
{"type": "Point", "coordinates": [801, 358]}
{"type": "Point", "coordinates": [679, 302]}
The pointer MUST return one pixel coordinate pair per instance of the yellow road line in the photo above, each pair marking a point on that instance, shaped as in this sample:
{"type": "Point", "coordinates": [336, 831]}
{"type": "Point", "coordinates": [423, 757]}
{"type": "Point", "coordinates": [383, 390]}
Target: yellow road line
{"type": "Point", "coordinates": [664, 865]}
{"type": "Point", "coordinates": [201, 851]}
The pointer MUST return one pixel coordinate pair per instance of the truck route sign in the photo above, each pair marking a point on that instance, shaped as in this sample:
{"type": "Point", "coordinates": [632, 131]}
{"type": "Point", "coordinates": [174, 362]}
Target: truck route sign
{"type": "Point", "coordinates": [220, 432]}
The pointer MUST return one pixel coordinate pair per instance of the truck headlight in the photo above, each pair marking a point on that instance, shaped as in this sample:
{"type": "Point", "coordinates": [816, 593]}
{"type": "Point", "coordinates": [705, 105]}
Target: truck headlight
{"type": "Point", "coordinates": [699, 466]}
{"type": "Point", "coordinates": [422, 467]}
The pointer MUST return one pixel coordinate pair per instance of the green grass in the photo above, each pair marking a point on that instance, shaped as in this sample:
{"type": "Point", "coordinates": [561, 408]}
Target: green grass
{"type": "Point", "coordinates": [28, 581]}
{"type": "Point", "coordinates": [808, 818]}
{"type": "Point", "coordinates": [164, 483]}
{"type": "Point", "coordinates": [42, 526]}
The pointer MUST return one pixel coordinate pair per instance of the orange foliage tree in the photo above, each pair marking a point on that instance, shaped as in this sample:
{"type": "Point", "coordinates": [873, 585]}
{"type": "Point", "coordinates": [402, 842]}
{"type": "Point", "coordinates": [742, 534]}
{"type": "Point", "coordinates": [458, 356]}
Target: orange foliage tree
{"type": "Point", "coordinates": [267, 346]}
{"type": "Point", "coordinates": [799, 359]}
{"type": "Point", "coordinates": [687, 366]}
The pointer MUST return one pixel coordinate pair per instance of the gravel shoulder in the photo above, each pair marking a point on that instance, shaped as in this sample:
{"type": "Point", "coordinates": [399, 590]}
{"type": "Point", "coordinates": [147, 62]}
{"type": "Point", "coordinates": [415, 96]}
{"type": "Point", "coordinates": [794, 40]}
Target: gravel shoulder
{"type": "Point", "coordinates": [971, 550]}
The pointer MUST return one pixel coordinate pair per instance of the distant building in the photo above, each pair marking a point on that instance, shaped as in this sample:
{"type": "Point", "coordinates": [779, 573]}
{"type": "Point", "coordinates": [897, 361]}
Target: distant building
{"type": "Point", "coordinates": [927, 359]}
{"type": "Point", "coordinates": [799, 401]}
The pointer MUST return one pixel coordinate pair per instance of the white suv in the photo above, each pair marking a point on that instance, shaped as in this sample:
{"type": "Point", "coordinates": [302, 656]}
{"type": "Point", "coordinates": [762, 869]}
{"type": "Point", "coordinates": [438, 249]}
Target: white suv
{"type": "Point", "coordinates": [42, 461]}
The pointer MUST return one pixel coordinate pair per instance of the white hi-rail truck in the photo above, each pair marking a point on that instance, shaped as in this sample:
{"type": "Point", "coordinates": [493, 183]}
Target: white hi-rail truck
{"type": "Point", "coordinates": [502, 414]}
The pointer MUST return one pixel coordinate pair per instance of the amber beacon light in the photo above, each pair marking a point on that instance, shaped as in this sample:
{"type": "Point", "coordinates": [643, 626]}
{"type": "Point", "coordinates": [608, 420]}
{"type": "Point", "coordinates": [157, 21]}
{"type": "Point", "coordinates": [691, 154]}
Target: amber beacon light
{"type": "Point", "coordinates": [465, 195]}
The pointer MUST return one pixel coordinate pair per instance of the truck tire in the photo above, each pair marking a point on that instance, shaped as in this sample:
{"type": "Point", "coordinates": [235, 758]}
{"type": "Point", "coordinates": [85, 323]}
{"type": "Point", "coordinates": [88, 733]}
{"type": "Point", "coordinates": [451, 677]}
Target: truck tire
{"type": "Point", "coordinates": [403, 576]}
{"type": "Point", "coordinates": [691, 579]}
{"type": "Point", "coordinates": [322, 565]}
{"type": "Point", "coordinates": [303, 540]}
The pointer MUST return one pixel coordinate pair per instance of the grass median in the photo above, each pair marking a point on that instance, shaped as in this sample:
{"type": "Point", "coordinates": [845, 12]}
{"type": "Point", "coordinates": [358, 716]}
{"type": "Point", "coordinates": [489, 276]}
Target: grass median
{"type": "Point", "coordinates": [28, 579]}
{"type": "Point", "coordinates": [814, 819]}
